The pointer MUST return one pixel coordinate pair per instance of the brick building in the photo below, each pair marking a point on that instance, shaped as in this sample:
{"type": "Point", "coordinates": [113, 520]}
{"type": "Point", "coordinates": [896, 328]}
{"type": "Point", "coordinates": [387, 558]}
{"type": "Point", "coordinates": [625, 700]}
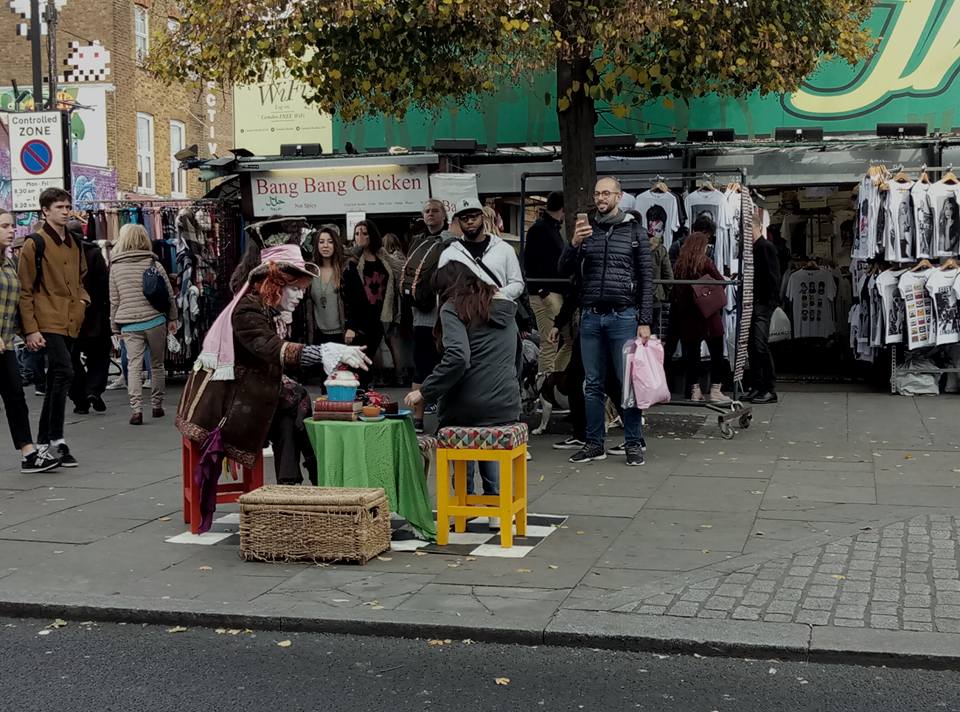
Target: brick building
{"type": "Point", "coordinates": [132, 124]}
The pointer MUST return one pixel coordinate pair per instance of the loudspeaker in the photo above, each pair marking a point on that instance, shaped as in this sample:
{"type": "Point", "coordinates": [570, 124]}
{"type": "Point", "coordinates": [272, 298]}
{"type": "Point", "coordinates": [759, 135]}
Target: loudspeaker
{"type": "Point", "coordinates": [300, 149]}
{"type": "Point", "coordinates": [710, 135]}
{"type": "Point", "coordinates": [804, 134]}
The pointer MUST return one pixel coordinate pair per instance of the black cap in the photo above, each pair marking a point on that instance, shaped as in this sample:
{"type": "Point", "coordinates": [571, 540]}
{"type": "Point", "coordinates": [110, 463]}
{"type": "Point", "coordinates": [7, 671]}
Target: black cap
{"type": "Point", "coordinates": [555, 201]}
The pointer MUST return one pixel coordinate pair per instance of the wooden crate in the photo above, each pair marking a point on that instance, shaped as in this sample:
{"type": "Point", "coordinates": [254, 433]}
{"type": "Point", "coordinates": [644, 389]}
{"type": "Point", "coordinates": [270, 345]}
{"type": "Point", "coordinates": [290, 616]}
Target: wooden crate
{"type": "Point", "coordinates": [288, 523]}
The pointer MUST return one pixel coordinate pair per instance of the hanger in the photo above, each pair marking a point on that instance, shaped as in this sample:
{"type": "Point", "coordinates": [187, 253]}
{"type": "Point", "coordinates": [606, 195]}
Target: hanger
{"type": "Point", "coordinates": [922, 264]}
{"type": "Point", "coordinates": [900, 175]}
{"type": "Point", "coordinates": [950, 263]}
{"type": "Point", "coordinates": [659, 186]}
{"type": "Point", "coordinates": [950, 178]}
{"type": "Point", "coordinates": [924, 178]}
{"type": "Point", "coordinates": [707, 183]}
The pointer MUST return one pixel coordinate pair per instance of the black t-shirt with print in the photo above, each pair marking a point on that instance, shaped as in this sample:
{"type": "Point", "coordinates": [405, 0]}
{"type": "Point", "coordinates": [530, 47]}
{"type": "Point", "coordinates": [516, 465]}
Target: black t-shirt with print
{"type": "Point", "coordinates": [476, 249]}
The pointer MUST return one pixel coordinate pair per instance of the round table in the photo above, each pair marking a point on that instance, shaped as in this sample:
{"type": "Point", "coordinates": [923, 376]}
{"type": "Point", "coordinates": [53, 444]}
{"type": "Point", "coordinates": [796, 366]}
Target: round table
{"type": "Point", "coordinates": [375, 454]}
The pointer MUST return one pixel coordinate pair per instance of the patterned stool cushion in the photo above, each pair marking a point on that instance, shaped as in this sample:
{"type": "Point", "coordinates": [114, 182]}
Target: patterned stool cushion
{"type": "Point", "coordinates": [499, 437]}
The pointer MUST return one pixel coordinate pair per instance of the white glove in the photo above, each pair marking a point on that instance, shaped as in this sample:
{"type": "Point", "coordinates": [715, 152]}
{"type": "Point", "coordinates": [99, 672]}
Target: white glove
{"type": "Point", "coordinates": [332, 355]}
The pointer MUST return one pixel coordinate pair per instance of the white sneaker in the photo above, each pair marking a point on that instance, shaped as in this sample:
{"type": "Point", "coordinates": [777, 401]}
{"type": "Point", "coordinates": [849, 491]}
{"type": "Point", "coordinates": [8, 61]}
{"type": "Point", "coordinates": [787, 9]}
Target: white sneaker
{"type": "Point", "coordinates": [117, 384]}
{"type": "Point", "coordinates": [494, 524]}
{"type": "Point", "coordinates": [148, 383]}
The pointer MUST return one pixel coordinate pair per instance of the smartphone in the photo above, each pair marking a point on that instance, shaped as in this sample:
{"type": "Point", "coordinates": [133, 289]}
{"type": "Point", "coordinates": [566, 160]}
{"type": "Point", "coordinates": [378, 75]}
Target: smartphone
{"type": "Point", "coordinates": [582, 217]}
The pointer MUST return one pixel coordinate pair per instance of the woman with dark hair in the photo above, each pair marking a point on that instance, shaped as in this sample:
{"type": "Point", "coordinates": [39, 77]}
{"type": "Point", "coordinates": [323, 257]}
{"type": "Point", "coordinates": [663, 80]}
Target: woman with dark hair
{"type": "Point", "coordinates": [400, 347]}
{"type": "Point", "coordinates": [692, 327]}
{"type": "Point", "coordinates": [326, 308]}
{"type": "Point", "coordinates": [475, 383]}
{"type": "Point", "coordinates": [373, 304]}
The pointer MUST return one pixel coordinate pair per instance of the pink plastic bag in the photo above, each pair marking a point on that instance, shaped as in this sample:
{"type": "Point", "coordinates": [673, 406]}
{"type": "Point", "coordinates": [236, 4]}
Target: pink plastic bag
{"type": "Point", "coordinates": [649, 380]}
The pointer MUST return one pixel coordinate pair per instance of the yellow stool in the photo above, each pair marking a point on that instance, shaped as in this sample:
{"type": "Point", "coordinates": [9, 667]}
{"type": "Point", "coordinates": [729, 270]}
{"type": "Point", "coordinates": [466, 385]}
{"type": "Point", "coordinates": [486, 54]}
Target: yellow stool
{"type": "Point", "coordinates": [503, 444]}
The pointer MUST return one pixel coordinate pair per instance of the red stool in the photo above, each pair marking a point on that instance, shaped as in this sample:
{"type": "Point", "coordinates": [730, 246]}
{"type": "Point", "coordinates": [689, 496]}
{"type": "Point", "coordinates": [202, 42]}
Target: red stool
{"type": "Point", "coordinates": [245, 479]}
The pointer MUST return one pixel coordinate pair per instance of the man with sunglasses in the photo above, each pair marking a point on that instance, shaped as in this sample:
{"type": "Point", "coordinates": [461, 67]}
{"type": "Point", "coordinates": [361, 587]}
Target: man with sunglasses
{"type": "Point", "coordinates": [490, 258]}
{"type": "Point", "coordinates": [611, 257]}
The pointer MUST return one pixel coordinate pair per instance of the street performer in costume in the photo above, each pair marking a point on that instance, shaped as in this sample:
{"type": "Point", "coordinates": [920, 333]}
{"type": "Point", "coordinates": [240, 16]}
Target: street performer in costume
{"type": "Point", "coordinates": [238, 396]}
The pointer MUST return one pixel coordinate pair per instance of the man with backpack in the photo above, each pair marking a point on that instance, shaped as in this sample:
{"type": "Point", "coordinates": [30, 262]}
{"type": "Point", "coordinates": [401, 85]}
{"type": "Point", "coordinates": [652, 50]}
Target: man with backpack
{"type": "Point", "coordinates": [610, 254]}
{"type": "Point", "coordinates": [418, 294]}
{"type": "Point", "coordinates": [53, 300]}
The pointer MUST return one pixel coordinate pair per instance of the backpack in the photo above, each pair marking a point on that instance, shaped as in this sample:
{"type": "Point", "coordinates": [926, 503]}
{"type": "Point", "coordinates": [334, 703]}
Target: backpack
{"type": "Point", "coordinates": [416, 283]}
{"type": "Point", "coordinates": [39, 246]}
{"type": "Point", "coordinates": [155, 288]}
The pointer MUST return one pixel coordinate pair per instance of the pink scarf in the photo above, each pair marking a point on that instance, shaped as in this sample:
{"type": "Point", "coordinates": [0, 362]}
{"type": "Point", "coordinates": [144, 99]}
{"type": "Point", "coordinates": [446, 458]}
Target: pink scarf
{"type": "Point", "coordinates": [217, 353]}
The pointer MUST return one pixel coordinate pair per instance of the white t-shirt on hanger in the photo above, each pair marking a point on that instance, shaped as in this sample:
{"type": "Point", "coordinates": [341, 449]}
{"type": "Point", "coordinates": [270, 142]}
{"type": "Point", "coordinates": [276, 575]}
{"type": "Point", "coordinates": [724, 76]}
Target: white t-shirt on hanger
{"type": "Point", "coordinates": [946, 211]}
{"type": "Point", "coordinates": [921, 330]}
{"type": "Point", "coordinates": [714, 204]}
{"type": "Point", "coordinates": [942, 287]}
{"type": "Point", "coordinates": [888, 284]}
{"type": "Point", "coordinates": [899, 238]}
{"type": "Point", "coordinates": [812, 293]}
{"type": "Point", "coordinates": [865, 236]}
{"type": "Point", "coordinates": [660, 213]}
{"type": "Point", "coordinates": [923, 219]}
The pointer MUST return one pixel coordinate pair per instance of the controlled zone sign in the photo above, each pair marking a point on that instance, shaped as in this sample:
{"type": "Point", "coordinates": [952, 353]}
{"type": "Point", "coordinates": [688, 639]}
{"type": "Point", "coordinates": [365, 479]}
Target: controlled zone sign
{"type": "Point", "coordinates": [36, 156]}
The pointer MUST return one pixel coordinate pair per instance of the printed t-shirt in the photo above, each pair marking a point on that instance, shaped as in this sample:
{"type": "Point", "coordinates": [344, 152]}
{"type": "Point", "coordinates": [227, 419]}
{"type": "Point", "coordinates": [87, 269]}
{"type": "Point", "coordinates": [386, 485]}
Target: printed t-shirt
{"type": "Point", "coordinates": [919, 309]}
{"type": "Point", "coordinates": [812, 293]}
{"type": "Point", "coordinates": [942, 287]}
{"type": "Point", "coordinates": [888, 284]}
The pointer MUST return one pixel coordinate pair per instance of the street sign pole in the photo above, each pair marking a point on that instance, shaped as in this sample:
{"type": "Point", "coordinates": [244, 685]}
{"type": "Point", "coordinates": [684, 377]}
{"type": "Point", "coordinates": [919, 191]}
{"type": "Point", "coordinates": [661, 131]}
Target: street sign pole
{"type": "Point", "coordinates": [67, 163]}
{"type": "Point", "coordinates": [36, 55]}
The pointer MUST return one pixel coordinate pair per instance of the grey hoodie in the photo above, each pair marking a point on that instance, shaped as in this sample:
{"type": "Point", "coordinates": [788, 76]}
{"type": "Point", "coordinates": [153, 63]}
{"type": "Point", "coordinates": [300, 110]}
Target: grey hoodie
{"type": "Point", "coordinates": [476, 381]}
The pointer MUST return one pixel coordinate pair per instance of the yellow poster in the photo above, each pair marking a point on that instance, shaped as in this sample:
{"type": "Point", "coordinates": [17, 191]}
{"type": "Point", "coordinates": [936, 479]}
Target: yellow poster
{"type": "Point", "coordinates": [273, 113]}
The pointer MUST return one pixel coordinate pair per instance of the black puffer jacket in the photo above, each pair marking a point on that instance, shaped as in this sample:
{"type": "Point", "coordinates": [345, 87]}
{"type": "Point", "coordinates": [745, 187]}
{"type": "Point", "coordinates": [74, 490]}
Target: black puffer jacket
{"type": "Point", "coordinates": [614, 268]}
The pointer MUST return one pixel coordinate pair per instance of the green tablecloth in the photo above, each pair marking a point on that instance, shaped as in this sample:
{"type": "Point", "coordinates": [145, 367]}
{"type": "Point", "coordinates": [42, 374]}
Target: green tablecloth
{"type": "Point", "coordinates": [383, 454]}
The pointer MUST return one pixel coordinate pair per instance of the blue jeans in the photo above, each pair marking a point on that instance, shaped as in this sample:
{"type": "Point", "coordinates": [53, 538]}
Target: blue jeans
{"type": "Point", "coordinates": [602, 337]}
{"type": "Point", "coordinates": [489, 475]}
{"type": "Point", "coordinates": [123, 361]}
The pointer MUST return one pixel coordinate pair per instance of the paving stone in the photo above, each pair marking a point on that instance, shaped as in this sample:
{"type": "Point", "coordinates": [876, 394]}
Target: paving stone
{"type": "Point", "coordinates": [707, 584]}
{"type": "Point", "coordinates": [860, 575]}
{"type": "Point", "coordinates": [887, 622]}
{"type": "Point", "coordinates": [947, 611]}
{"type": "Point", "coordinates": [950, 597]}
{"type": "Point", "coordinates": [857, 586]}
{"type": "Point", "coordinates": [746, 613]}
{"type": "Point", "coordinates": [817, 604]}
{"type": "Point", "coordinates": [707, 613]}
{"type": "Point", "coordinates": [813, 617]}
{"type": "Point", "coordinates": [853, 599]}
{"type": "Point", "coordinates": [910, 601]}
{"type": "Point", "coordinates": [777, 618]}
{"type": "Point", "coordinates": [919, 626]}
{"type": "Point", "coordinates": [795, 582]}
{"type": "Point", "coordinates": [946, 585]}
{"type": "Point", "coordinates": [917, 614]}
{"type": "Point", "coordinates": [755, 599]}
{"type": "Point", "coordinates": [685, 609]}
{"type": "Point", "coordinates": [662, 600]}
{"type": "Point", "coordinates": [823, 591]}
{"type": "Point", "coordinates": [731, 590]}
{"type": "Point", "coordinates": [947, 625]}
{"type": "Point", "coordinates": [770, 587]}
{"type": "Point", "coordinates": [850, 611]}
{"type": "Point", "coordinates": [695, 594]}
{"type": "Point", "coordinates": [885, 609]}
{"type": "Point", "coordinates": [848, 622]}
{"type": "Point", "coordinates": [651, 610]}
{"type": "Point", "coordinates": [886, 594]}
{"type": "Point", "coordinates": [739, 578]}
{"type": "Point", "coordinates": [803, 571]}
{"type": "Point", "coordinates": [788, 594]}
{"type": "Point", "coordinates": [719, 603]}
{"type": "Point", "coordinates": [786, 607]}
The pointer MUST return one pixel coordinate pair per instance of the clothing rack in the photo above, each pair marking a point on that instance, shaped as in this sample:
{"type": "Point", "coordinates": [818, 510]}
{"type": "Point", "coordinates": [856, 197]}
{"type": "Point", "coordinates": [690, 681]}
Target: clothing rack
{"type": "Point", "coordinates": [735, 410]}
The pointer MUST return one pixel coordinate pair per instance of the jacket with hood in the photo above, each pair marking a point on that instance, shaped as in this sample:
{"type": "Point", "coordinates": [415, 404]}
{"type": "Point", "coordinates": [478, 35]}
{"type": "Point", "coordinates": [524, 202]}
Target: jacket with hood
{"type": "Point", "coordinates": [476, 382]}
{"type": "Point", "coordinates": [128, 305]}
{"type": "Point", "coordinates": [614, 268]}
{"type": "Point", "coordinates": [499, 258]}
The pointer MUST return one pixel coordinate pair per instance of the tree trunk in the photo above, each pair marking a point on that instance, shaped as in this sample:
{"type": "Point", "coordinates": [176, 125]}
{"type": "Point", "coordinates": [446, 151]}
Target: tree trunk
{"type": "Point", "coordinates": [576, 139]}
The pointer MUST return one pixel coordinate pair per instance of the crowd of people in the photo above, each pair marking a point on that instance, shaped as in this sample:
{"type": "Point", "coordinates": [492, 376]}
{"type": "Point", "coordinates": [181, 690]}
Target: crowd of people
{"type": "Point", "coordinates": [452, 305]}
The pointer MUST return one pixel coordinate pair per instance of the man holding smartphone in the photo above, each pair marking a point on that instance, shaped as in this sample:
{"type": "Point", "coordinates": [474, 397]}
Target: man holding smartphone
{"type": "Point", "coordinates": [611, 256]}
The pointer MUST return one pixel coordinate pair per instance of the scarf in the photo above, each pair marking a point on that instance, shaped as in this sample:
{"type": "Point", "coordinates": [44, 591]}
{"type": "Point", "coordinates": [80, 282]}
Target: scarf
{"type": "Point", "coordinates": [614, 217]}
{"type": "Point", "coordinates": [217, 353]}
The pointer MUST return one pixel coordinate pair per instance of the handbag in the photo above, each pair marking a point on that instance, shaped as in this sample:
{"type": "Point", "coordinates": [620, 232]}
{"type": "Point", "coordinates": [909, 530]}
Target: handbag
{"type": "Point", "coordinates": [780, 329]}
{"type": "Point", "coordinates": [709, 298]}
{"type": "Point", "coordinates": [155, 288]}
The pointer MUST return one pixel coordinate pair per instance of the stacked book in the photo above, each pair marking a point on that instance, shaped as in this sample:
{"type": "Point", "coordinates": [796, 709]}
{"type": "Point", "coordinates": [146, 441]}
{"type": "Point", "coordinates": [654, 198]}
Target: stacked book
{"type": "Point", "coordinates": [324, 409]}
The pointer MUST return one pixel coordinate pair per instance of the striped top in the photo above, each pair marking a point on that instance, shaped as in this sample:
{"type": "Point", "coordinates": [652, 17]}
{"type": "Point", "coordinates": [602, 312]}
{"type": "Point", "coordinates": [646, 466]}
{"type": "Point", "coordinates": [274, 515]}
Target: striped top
{"type": "Point", "coordinates": [9, 301]}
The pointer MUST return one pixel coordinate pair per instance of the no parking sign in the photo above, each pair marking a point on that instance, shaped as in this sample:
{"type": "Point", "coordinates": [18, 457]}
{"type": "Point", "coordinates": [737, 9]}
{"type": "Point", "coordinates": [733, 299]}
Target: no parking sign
{"type": "Point", "coordinates": [36, 156]}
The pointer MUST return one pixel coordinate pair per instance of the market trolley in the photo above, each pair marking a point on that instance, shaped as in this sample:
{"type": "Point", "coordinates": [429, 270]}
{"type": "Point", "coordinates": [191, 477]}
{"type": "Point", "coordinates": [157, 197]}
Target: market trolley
{"type": "Point", "coordinates": [727, 413]}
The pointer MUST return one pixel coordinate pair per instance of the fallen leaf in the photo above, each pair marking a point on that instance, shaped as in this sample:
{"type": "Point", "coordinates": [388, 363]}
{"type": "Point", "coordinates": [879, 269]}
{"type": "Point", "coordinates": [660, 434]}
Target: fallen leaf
{"type": "Point", "coordinates": [542, 478]}
{"type": "Point", "coordinates": [467, 641]}
{"type": "Point", "coordinates": [838, 577]}
{"type": "Point", "coordinates": [43, 632]}
{"type": "Point", "coordinates": [453, 566]}
{"type": "Point", "coordinates": [419, 553]}
{"type": "Point", "coordinates": [706, 526]}
{"type": "Point", "coordinates": [908, 456]}
{"type": "Point", "coordinates": [756, 491]}
{"type": "Point", "coordinates": [471, 558]}
{"type": "Point", "coordinates": [58, 623]}
{"type": "Point", "coordinates": [234, 631]}
{"type": "Point", "coordinates": [772, 671]}
{"type": "Point", "coordinates": [437, 641]}
{"type": "Point", "coordinates": [385, 558]}
{"type": "Point", "coordinates": [524, 571]}
{"type": "Point", "coordinates": [705, 551]}
{"type": "Point", "coordinates": [177, 629]}
{"type": "Point", "coordinates": [205, 568]}
{"type": "Point", "coordinates": [341, 600]}
{"type": "Point", "coordinates": [220, 631]}
{"type": "Point", "coordinates": [554, 566]}
{"type": "Point", "coordinates": [284, 644]}
{"type": "Point", "coordinates": [376, 608]}
{"type": "Point", "coordinates": [164, 519]}
{"type": "Point", "coordinates": [502, 680]}
{"type": "Point", "coordinates": [580, 531]}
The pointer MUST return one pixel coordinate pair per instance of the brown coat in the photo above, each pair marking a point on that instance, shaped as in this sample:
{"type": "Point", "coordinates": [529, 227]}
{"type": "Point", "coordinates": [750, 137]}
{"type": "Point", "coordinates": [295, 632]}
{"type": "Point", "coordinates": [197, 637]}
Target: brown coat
{"type": "Point", "coordinates": [57, 307]}
{"type": "Point", "coordinates": [245, 405]}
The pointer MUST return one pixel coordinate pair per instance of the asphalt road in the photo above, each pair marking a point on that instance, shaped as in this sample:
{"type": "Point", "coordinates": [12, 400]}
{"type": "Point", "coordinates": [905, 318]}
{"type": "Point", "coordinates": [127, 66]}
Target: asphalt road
{"type": "Point", "coordinates": [104, 667]}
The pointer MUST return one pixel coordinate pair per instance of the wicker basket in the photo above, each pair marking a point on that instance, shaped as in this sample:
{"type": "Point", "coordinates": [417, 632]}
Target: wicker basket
{"type": "Point", "coordinates": [285, 523]}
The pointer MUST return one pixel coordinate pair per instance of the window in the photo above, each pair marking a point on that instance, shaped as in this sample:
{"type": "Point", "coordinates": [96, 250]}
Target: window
{"type": "Point", "coordinates": [145, 171]}
{"type": "Point", "coordinates": [141, 32]}
{"type": "Point", "coordinates": [178, 142]}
